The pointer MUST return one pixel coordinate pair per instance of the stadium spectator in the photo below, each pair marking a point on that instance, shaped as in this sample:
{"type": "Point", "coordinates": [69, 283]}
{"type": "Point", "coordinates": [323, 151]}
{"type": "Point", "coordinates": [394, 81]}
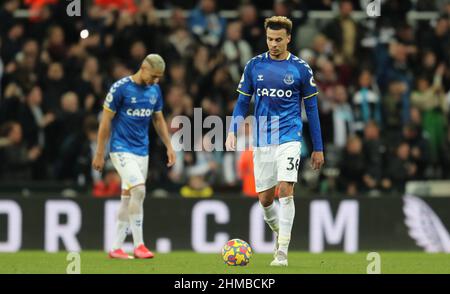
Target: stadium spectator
{"type": "Point", "coordinates": [374, 150]}
{"type": "Point", "coordinates": [137, 53]}
{"type": "Point", "coordinates": [7, 15]}
{"type": "Point", "coordinates": [419, 148]}
{"type": "Point", "coordinates": [181, 45]}
{"type": "Point", "coordinates": [352, 167]}
{"type": "Point", "coordinates": [11, 105]}
{"type": "Point", "coordinates": [366, 101]}
{"type": "Point", "coordinates": [33, 119]}
{"type": "Point", "coordinates": [440, 39]}
{"type": "Point", "coordinates": [14, 39]}
{"type": "Point", "coordinates": [400, 169]}
{"type": "Point", "coordinates": [54, 86]}
{"type": "Point", "coordinates": [252, 28]}
{"type": "Point", "coordinates": [55, 45]}
{"type": "Point", "coordinates": [16, 158]}
{"type": "Point", "coordinates": [326, 79]}
{"type": "Point", "coordinates": [236, 50]}
{"type": "Point", "coordinates": [67, 125]}
{"type": "Point", "coordinates": [86, 86]}
{"type": "Point", "coordinates": [393, 107]}
{"type": "Point", "coordinates": [430, 100]}
{"type": "Point", "coordinates": [177, 77]}
{"type": "Point", "coordinates": [214, 91]}
{"type": "Point", "coordinates": [345, 34]}
{"type": "Point", "coordinates": [76, 153]}
{"type": "Point", "coordinates": [395, 11]}
{"type": "Point", "coordinates": [206, 24]}
{"type": "Point", "coordinates": [343, 121]}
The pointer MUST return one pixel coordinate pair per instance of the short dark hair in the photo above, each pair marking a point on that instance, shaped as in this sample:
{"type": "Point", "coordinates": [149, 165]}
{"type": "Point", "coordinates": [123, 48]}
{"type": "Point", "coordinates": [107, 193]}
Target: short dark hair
{"type": "Point", "coordinates": [278, 23]}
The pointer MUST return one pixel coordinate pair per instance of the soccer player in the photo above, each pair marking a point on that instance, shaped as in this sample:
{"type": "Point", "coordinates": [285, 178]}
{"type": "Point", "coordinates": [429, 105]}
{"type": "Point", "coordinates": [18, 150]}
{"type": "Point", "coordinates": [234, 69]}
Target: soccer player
{"type": "Point", "coordinates": [279, 82]}
{"type": "Point", "coordinates": [128, 108]}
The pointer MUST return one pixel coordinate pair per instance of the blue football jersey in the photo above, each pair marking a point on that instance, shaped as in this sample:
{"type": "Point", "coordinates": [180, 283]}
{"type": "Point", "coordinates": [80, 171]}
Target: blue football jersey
{"type": "Point", "coordinates": [278, 87]}
{"type": "Point", "coordinates": [133, 105]}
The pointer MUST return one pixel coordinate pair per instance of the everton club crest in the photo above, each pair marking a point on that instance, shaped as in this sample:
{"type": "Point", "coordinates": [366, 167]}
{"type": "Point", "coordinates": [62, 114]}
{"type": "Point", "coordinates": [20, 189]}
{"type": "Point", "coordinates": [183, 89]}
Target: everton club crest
{"type": "Point", "coordinates": [289, 78]}
{"type": "Point", "coordinates": [153, 99]}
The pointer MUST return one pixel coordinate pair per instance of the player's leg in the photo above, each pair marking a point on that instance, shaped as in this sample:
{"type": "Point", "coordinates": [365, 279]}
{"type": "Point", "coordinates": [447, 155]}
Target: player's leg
{"type": "Point", "coordinates": [286, 220]}
{"type": "Point", "coordinates": [288, 159]}
{"type": "Point", "coordinates": [121, 228]}
{"type": "Point", "coordinates": [133, 181]}
{"type": "Point", "coordinates": [265, 179]}
{"type": "Point", "coordinates": [136, 209]}
{"type": "Point", "coordinates": [270, 212]}
{"type": "Point", "coordinates": [122, 221]}
{"type": "Point", "coordinates": [266, 200]}
{"type": "Point", "coordinates": [136, 213]}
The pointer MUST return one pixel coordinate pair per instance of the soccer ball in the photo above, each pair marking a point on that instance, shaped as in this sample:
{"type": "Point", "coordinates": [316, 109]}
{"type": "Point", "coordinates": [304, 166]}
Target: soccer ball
{"type": "Point", "coordinates": [236, 252]}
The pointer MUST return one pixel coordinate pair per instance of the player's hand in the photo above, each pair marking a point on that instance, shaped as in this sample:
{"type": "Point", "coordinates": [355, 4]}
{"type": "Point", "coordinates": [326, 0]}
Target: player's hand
{"type": "Point", "coordinates": [171, 157]}
{"type": "Point", "coordinates": [317, 160]}
{"type": "Point", "coordinates": [230, 143]}
{"type": "Point", "coordinates": [98, 162]}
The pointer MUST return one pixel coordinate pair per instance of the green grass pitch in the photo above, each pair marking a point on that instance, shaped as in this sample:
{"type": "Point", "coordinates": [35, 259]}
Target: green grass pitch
{"type": "Point", "coordinates": [184, 262]}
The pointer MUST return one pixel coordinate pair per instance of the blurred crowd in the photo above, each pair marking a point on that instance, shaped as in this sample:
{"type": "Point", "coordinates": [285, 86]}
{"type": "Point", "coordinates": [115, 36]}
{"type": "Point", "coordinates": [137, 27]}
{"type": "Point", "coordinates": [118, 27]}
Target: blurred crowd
{"type": "Point", "coordinates": [384, 90]}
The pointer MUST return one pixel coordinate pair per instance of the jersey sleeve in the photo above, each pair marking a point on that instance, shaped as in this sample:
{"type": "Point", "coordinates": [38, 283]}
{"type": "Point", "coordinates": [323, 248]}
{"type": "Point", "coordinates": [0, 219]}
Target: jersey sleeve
{"type": "Point", "coordinates": [159, 102]}
{"type": "Point", "coordinates": [246, 85]}
{"type": "Point", "coordinates": [308, 86]}
{"type": "Point", "coordinates": [114, 97]}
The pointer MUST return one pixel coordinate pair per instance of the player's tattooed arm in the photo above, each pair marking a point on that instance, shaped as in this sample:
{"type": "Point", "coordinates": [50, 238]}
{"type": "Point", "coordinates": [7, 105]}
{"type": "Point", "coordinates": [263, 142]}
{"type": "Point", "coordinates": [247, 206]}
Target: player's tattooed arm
{"type": "Point", "coordinates": [161, 128]}
{"type": "Point", "coordinates": [104, 132]}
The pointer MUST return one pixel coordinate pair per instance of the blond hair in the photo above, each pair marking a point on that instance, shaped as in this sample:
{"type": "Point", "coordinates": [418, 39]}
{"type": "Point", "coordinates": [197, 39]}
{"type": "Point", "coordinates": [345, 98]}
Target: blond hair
{"type": "Point", "coordinates": [155, 61]}
{"type": "Point", "coordinates": [278, 23]}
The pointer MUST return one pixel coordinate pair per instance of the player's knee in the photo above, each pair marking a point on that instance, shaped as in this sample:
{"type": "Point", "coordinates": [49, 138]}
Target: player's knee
{"type": "Point", "coordinates": [137, 198]}
{"type": "Point", "coordinates": [265, 201]}
{"type": "Point", "coordinates": [286, 189]}
{"type": "Point", "coordinates": [137, 193]}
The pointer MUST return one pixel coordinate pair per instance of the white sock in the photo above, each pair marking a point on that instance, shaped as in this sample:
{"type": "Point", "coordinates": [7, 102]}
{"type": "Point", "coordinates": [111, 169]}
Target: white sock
{"type": "Point", "coordinates": [287, 214]}
{"type": "Point", "coordinates": [271, 216]}
{"type": "Point", "coordinates": [136, 214]}
{"type": "Point", "coordinates": [122, 223]}
{"type": "Point", "coordinates": [136, 228]}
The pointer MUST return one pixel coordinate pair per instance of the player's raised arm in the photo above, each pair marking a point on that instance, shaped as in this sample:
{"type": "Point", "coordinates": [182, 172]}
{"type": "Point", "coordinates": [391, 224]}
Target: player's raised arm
{"type": "Point", "coordinates": [104, 132]}
{"type": "Point", "coordinates": [161, 128]}
{"type": "Point", "coordinates": [240, 110]}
